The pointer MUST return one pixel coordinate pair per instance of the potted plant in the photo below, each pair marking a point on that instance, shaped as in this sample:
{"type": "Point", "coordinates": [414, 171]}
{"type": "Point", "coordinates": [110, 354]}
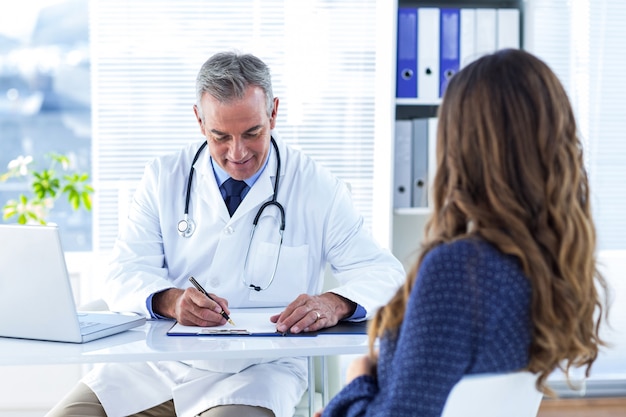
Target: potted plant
{"type": "Point", "coordinates": [46, 186]}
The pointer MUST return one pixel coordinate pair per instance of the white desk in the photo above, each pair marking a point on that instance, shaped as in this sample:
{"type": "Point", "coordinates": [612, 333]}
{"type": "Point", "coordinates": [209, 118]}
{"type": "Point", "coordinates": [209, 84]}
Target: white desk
{"type": "Point", "coordinates": [150, 343]}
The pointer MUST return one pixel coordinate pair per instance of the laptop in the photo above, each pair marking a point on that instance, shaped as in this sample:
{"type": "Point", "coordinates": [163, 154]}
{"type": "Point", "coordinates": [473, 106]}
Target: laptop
{"type": "Point", "coordinates": [36, 299]}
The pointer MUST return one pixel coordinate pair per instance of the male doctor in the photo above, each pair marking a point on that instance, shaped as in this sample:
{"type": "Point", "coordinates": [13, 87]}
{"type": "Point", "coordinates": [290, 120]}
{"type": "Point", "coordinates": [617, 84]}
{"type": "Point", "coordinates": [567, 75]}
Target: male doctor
{"type": "Point", "coordinates": [156, 253]}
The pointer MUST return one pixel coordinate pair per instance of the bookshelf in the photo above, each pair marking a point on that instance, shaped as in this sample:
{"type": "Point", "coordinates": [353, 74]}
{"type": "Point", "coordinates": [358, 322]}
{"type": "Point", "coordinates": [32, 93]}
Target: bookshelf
{"type": "Point", "coordinates": [408, 222]}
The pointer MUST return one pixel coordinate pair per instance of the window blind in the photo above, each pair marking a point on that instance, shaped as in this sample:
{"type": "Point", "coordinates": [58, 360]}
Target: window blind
{"type": "Point", "coordinates": [146, 54]}
{"type": "Point", "coordinates": [583, 42]}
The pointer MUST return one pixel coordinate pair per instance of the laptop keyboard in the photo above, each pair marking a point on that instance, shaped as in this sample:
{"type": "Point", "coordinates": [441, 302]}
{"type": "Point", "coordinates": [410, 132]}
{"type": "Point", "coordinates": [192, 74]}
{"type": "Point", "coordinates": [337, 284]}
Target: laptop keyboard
{"type": "Point", "coordinates": [86, 325]}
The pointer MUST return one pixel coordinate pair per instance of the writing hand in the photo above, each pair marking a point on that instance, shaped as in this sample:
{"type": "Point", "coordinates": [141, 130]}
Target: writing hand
{"type": "Point", "coordinates": [200, 288]}
{"type": "Point", "coordinates": [190, 307]}
{"type": "Point", "coordinates": [309, 313]}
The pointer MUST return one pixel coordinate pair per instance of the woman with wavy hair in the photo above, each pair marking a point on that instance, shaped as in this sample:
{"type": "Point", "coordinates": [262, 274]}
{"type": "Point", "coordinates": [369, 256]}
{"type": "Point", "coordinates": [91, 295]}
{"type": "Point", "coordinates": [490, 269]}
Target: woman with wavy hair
{"type": "Point", "coordinates": [507, 278]}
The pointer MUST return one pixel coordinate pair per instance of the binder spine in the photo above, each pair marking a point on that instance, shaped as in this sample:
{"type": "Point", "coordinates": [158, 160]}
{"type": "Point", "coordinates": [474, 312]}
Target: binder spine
{"type": "Point", "coordinates": [508, 29]}
{"type": "Point", "coordinates": [420, 163]}
{"type": "Point", "coordinates": [406, 54]}
{"type": "Point", "coordinates": [428, 53]}
{"type": "Point", "coordinates": [486, 23]}
{"type": "Point", "coordinates": [467, 41]}
{"type": "Point", "coordinates": [449, 51]}
{"type": "Point", "coordinates": [402, 165]}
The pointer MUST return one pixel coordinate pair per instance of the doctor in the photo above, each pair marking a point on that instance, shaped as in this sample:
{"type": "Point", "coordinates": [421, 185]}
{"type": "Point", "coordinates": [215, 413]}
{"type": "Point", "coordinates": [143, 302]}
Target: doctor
{"type": "Point", "coordinates": [187, 222]}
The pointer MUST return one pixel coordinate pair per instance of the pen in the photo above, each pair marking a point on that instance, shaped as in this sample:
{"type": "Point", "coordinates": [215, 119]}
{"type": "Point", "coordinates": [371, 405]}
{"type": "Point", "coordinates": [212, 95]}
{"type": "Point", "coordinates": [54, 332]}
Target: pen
{"type": "Point", "coordinates": [203, 291]}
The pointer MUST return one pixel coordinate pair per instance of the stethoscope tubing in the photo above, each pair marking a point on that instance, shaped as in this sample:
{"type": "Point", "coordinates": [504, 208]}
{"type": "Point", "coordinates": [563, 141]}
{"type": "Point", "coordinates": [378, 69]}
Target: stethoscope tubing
{"type": "Point", "coordinates": [186, 226]}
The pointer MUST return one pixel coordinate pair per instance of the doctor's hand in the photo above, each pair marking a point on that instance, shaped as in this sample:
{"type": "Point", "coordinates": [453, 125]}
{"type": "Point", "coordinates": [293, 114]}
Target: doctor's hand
{"type": "Point", "coordinates": [190, 307]}
{"type": "Point", "coordinates": [309, 313]}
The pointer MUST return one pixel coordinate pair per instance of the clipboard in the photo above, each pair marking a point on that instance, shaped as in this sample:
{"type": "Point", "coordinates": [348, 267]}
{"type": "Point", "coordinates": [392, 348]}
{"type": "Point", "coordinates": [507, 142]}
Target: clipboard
{"type": "Point", "coordinates": [256, 323]}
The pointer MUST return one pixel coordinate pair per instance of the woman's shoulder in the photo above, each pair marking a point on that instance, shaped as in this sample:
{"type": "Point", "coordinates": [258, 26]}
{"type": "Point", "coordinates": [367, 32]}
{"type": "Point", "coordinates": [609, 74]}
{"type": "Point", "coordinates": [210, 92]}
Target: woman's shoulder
{"type": "Point", "coordinates": [461, 250]}
{"type": "Point", "coordinates": [470, 255]}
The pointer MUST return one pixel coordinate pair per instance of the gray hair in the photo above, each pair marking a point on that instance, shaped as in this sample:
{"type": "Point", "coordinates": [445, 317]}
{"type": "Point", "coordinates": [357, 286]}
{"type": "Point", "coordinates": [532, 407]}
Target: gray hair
{"type": "Point", "coordinates": [226, 76]}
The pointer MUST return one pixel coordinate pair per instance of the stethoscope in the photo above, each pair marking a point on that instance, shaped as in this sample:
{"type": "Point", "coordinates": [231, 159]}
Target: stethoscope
{"type": "Point", "coordinates": [187, 226]}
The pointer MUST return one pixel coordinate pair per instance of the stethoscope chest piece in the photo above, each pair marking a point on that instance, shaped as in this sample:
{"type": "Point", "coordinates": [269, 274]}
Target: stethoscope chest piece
{"type": "Point", "coordinates": [186, 227]}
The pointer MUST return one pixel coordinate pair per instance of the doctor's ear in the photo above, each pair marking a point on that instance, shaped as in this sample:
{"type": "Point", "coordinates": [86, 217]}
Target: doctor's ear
{"type": "Point", "coordinates": [196, 111]}
{"type": "Point", "coordinates": [274, 113]}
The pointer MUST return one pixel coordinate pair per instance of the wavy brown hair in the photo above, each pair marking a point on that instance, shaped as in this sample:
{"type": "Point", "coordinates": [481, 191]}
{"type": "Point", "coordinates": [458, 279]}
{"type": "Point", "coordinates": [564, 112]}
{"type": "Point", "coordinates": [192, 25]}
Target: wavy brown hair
{"type": "Point", "coordinates": [510, 170]}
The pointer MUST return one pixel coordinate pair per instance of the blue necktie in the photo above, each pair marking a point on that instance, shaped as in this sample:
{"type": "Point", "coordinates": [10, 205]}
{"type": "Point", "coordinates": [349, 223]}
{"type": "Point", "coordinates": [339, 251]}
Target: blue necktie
{"type": "Point", "coordinates": [233, 189]}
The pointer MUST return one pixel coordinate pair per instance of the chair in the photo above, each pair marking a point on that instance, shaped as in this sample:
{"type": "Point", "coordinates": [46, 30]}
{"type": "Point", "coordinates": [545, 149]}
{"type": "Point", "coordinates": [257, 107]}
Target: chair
{"type": "Point", "coordinates": [494, 395]}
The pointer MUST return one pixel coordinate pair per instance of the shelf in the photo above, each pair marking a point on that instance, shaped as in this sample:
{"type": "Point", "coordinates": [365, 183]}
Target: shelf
{"type": "Point", "coordinates": [462, 3]}
{"type": "Point", "coordinates": [417, 102]}
{"type": "Point", "coordinates": [414, 211]}
{"type": "Point", "coordinates": [410, 111]}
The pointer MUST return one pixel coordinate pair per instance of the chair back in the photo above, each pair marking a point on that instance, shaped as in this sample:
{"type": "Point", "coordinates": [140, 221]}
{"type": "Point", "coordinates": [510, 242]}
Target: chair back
{"type": "Point", "coordinates": [494, 395]}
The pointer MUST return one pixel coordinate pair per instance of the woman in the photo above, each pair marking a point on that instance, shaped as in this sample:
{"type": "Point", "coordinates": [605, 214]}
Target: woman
{"type": "Point", "coordinates": [507, 276]}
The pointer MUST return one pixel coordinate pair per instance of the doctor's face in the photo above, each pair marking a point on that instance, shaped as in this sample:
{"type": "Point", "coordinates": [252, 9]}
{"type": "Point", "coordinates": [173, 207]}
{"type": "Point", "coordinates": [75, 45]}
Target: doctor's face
{"type": "Point", "coordinates": [238, 132]}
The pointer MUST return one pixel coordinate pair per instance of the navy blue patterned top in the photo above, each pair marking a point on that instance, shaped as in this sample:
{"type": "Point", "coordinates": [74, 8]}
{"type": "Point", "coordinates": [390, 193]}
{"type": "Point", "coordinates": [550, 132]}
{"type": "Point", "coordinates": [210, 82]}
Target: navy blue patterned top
{"type": "Point", "coordinates": [468, 313]}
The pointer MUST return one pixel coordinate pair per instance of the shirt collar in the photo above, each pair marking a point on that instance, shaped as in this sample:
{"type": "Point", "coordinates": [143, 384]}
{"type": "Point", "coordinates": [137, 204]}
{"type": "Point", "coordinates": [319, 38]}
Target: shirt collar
{"type": "Point", "coordinates": [221, 175]}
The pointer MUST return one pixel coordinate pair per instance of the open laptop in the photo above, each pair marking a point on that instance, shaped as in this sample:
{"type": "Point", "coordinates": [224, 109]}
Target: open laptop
{"type": "Point", "coordinates": [36, 300]}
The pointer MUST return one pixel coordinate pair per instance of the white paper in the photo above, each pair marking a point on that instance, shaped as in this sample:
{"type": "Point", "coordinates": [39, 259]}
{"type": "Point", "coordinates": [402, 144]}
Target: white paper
{"type": "Point", "coordinates": [246, 322]}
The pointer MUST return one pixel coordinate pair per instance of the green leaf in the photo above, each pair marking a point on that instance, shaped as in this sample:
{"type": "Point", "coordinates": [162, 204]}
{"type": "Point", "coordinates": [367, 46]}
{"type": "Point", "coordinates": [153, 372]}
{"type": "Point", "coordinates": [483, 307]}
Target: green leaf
{"type": "Point", "coordinates": [9, 210]}
{"type": "Point", "coordinates": [45, 183]}
{"type": "Point", "coordinates": [86, 200]}
{"type": "Point", "coordinates": [74, 199]}
{"type": "Point", "coordinates": [61, 159]}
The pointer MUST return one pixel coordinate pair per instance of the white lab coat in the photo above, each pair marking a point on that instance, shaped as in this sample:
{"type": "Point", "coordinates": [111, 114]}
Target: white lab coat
{"type": "Point", "coordinates": [322, 227]}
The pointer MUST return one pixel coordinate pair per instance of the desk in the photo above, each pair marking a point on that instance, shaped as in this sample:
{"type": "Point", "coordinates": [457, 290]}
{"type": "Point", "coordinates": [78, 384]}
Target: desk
{"type": "Point", "coordinates": [150, 343]}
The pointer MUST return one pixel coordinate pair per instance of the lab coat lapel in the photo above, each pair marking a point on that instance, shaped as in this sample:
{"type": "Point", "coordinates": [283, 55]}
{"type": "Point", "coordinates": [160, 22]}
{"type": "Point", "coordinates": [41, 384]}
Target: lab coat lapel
{"type": "Point", "coordinates": [206, 188]}
{"type": "Point", "coordinates": [260, 192]}
{"type": "Point", "coordinates": [263, 188]}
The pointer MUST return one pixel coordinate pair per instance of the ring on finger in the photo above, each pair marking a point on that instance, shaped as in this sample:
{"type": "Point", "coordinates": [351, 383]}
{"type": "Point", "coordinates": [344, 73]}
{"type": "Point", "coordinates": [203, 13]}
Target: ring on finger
{"type": "Point", "coordinates": [318, 315]}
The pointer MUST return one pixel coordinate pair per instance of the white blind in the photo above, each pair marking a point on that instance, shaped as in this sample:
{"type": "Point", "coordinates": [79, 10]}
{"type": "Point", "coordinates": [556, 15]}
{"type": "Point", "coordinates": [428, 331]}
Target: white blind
{"type": "Point", "coordinates": [146, 54]}
{"type": "Point", "coordinates": [584, 42]}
